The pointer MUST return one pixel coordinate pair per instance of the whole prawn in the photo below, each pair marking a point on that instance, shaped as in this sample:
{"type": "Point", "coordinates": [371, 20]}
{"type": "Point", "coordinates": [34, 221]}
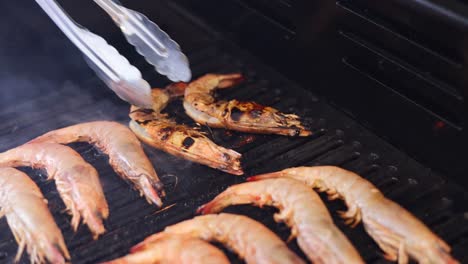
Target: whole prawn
{"type": "Point", "coordinates": [170, 249]}
{"type": "Point", "coordinates": [251, 240]}
{"type": "Point", "coordinates": [251, 117]}
{"type": "Point", "coordinates": [157, 130]}
{"type": "Point", "coordinates": [27, 214]}
{"type": "Point", "coordinates": [76, 180]}
{"type": "Point", "coordinates": [126, 156]}
{"type": "Point", "coordinates": [301, 209]}
{"type": "Point", "coordinates": [398, 233]}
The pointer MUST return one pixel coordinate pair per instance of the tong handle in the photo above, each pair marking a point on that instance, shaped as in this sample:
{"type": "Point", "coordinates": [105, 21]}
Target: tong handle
{"type": "Point", "coordinates": [75, 33]}
{"type": "Point", "coordinates": [150, 41]}
{"type": "Point", "coordinates": [127, 21]}
{"type": "Point", "coordinates": [110, 66]}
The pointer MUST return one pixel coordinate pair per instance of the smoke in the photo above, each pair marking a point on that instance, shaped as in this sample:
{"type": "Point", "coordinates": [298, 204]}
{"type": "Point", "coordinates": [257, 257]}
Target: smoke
{"type": "Point", "coordinates": [44, 81]}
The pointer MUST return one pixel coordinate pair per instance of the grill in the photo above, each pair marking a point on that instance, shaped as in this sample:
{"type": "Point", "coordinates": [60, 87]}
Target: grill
{"type": "Point", "coordinates": [46, 85]}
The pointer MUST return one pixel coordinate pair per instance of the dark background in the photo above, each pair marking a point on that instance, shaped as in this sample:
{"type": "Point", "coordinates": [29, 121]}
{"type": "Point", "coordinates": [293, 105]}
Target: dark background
{"type": "Point", "coordinates": [45, 84]}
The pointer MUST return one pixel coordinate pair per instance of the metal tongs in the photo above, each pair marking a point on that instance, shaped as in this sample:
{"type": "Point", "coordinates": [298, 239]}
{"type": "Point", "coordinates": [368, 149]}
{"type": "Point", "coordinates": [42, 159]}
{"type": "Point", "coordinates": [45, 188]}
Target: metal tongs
{"type": "Point", "coordinates": [113, 68]}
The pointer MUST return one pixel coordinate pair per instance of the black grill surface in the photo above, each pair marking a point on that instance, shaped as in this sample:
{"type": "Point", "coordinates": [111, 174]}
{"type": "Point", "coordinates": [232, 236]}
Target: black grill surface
{"type": "Point", "coordinates": [45, 85]}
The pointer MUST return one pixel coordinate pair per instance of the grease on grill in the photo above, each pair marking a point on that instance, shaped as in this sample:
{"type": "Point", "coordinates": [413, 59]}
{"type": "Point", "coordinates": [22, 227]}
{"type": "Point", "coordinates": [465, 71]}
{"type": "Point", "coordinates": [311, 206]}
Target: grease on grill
{"type": "Point", "coordinates": [188, 142]}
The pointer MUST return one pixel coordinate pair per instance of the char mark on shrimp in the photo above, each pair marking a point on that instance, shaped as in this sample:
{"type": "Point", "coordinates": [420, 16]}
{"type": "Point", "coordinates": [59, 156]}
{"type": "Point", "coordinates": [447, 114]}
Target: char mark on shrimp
{"type": "Point", "coordinates": [236, 114]}
{"type": "Point", "coordinates": [188, 142]}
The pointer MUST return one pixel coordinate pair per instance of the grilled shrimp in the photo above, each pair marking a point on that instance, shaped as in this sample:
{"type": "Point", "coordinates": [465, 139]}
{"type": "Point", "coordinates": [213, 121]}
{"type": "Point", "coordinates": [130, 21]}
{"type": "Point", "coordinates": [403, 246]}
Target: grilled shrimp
{"type": "Point", "coordinates": [77, 181]}
{"type": "Point", "coordinates": [159, 131]}
{"type": "Point", "coordinates": [241, 116]}
{"type": "Point", "coordinates": [396, 231]}
{"type": "Point", "coordinates": [301, 209]}
{"type": "Point", "coordinates": [27, 214]}
{"type": "Point", "coordinates": [126, 155]}
{"type": "Point", "coordinates": [248, 238]}
{"type": "Point", "coordinates": [170, 249]}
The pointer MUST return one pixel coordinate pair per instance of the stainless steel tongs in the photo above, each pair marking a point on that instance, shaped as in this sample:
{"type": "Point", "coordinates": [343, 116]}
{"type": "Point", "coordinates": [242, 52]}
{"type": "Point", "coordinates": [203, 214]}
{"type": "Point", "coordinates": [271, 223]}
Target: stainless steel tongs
{"type": "Point", "coordinates": [114, 69]}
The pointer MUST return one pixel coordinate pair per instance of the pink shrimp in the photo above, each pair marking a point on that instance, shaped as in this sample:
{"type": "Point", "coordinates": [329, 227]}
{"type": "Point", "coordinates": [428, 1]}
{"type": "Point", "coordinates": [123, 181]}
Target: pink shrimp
{"type": "Point", "coordinates": [250, 117]}
{"type": "Point", "coordinates": [301, 209]}
{"type": "Point", "coordinates": [248, 238]}
{"type": "Point", "coordinates": [396, 231]}
{"type": "Point", "coordinates": [29, 218]}
{"type": "Point", "coordinates": [76, 180]}
{"type": "Point", "coordinates": [170, 248]}
{"type": "Point", "coordinates": [126, 155]}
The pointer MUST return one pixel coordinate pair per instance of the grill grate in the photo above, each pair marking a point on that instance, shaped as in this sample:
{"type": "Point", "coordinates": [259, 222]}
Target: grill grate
{"type": "Point", "coordinates": [338, 141]}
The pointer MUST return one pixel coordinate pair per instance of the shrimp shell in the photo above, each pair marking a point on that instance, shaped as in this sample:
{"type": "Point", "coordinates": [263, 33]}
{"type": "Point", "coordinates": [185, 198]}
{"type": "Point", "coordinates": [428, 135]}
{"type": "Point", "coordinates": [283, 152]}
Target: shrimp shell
{"type": "Point", "coordinates": [248, 238]}
{"type": "Point", "coordinates": [301, 209]}
{"type": "Point", "coordinates": [248, 117]}
{"type": "Point", "coordinates": [170, 249]}
{"type": "Point", "coordinates": [396, 231]}
{"type": "Point", "coordinates": [126, 156]}
{"type": "Point", "coordinates": [27, 214]}
{"type": "Point", "coordinates": [76, 180]}
{"type": "Point", "coordinates": [159, 131]}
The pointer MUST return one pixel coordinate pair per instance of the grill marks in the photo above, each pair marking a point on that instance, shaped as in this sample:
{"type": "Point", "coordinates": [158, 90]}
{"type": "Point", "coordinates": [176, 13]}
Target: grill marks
{"type": "Point", "coordinates": [142, 116]}
{"type": "Point", "coordinates": [165, 133]}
